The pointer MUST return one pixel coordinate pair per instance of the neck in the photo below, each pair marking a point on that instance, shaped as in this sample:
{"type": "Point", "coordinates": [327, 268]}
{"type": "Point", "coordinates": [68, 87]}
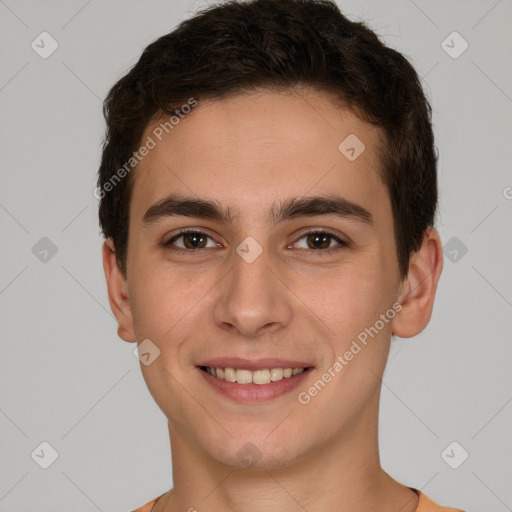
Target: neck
{"type": "Point", "coordinates": [343, 474]}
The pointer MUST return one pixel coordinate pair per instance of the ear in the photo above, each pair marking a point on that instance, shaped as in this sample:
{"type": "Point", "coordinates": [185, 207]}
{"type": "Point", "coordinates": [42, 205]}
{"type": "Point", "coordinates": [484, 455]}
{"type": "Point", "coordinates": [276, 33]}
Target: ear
{"type": "Point", "coordinates": [118, 293]}
{"type": "Point", "coordinates": [418, 289]}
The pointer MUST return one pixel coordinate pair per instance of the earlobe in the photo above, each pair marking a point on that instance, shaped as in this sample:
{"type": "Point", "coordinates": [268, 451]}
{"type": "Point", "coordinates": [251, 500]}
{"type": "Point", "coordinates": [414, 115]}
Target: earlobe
{"type": "Point", "coordinates": [419, 287]}
{"type": "Point", "coordinates": [117, 293]}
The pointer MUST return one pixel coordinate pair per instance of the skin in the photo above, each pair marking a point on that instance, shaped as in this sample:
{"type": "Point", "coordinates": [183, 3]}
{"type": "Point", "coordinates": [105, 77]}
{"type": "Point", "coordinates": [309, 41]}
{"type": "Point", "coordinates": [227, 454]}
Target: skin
{"type": "Point", "coordinates": [250, 151]}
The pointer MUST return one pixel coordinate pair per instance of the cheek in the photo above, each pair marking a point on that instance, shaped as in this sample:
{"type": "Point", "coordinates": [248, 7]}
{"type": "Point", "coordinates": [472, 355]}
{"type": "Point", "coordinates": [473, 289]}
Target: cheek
{"type": "Point", "coordinates": [161, 300]}
{"type": "Point", "coordinates": [348, 299]}
{"type": "Point", "coordinates": [170, 305]}
{"type": "Point", "coordinates": [165, 308]}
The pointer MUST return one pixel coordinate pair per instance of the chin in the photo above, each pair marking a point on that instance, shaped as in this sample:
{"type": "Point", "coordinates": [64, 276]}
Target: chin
{"type": "Point", "coordinates": [256, 455]}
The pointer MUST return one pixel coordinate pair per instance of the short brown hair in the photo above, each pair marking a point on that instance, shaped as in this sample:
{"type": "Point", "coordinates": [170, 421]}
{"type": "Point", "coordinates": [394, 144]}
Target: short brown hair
{"type": "Point", "coordinates": [240, 46]}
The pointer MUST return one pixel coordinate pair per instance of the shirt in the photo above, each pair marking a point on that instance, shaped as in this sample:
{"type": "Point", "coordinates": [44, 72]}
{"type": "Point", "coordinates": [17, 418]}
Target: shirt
{"type": "Point", "coordinates": [425, 504]}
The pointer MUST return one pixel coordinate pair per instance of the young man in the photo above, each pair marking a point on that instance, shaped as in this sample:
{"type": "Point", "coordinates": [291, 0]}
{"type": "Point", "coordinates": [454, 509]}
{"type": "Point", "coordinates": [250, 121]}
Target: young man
{"type": "Point", "coordinates": [268, 192]}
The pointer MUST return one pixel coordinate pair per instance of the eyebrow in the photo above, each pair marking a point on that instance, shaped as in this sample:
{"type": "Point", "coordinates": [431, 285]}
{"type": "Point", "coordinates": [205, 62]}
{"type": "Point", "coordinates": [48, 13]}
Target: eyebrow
{"type": "Point", "coordinates": [176, 205]}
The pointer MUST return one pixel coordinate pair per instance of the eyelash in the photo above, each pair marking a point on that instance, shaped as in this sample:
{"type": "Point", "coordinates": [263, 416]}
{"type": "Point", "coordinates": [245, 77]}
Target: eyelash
{"type": "Point", "coordinates": [341, 243]}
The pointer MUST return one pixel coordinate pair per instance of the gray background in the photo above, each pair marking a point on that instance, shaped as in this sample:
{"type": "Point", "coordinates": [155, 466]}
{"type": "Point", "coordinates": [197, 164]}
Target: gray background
{"type": "Point", "coordinates": [65, 376]}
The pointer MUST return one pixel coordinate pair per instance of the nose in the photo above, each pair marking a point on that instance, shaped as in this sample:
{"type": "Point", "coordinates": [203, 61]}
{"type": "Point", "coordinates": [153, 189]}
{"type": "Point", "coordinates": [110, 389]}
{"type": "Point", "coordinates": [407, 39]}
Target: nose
{"type": "Point", "coordinates": [253, 299]}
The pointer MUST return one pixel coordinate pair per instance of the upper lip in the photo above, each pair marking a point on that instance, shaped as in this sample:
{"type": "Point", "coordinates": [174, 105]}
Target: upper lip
{"type": "Point", "coordinates": [253, 364]}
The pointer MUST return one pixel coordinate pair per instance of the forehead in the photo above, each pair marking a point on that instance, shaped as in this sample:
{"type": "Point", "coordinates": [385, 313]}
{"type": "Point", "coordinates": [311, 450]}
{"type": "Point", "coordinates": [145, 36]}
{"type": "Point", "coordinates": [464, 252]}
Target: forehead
{"type": "Point", "coordinates": [251, 150]}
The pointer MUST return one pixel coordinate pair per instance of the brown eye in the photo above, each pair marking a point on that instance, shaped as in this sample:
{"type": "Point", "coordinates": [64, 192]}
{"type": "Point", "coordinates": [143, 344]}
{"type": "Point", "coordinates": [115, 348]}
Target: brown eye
{"type": "Point", "coordinates": [191, 240]}
{"type": "Point", "coordinates": [194, 241]}
{"type": "Point", "coordinates": [320, 241]}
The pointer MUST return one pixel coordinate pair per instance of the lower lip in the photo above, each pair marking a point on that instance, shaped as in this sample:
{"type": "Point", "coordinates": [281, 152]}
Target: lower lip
{"type": "Point", "coordinates": [255, 392]}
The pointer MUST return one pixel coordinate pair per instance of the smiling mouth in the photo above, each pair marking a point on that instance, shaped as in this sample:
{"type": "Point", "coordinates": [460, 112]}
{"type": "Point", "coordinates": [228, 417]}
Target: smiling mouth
{"type": "Point", "coordinates": [262, 376]}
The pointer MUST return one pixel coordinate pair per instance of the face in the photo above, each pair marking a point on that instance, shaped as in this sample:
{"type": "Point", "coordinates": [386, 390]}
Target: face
{"type": "Point", "coordinates": [265, 278]}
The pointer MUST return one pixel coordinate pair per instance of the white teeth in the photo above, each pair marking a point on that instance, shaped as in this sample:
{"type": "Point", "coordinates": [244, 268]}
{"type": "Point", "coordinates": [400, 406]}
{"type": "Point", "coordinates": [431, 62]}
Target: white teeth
{"type": "Point", "coordinates": [263, 376]}
{"type": "Point", "coordinates": [230, 375]}
{"type": "Point", "coordinates": [276, 374]}
{"type": "Point", "coordinates": [244, 376]}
